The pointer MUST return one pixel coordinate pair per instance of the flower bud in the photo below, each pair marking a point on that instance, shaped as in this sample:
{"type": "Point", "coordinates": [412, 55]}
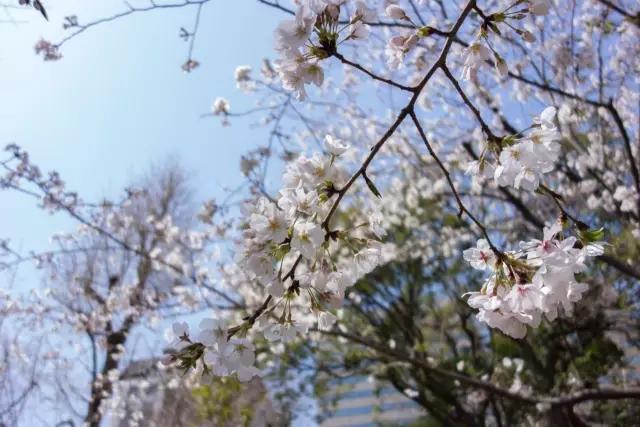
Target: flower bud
{"type": "Point", "coordinates": [528, 36]}
{"type": "Point", "coordinates": [397, 41]}
{"type": "Point", "coordinates": [501, 66]}
{"type": "Point", "coordinates": [395, 12]}
{"type": "Point", "coordinates": [411, 41]}
{"type": "Point", "coordinates": [333, 11]}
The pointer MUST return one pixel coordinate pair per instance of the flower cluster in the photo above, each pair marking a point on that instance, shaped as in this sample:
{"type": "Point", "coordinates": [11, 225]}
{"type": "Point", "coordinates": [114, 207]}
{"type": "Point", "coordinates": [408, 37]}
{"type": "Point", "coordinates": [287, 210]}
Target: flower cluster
{"type": "Point", "coordinates": [475, 55]}
{"type": "Point", "coordinates": [55, 195]}
{"type": "Point", "coordinates": [399, 45]}
{"type": "Point", "coordinates": [480, 51]}
{"type": "Point", "coordinates": [219, 355]}
{"type": "Point", "coordinates": [313, 35]}
{"type": "Point", "coordinates": [221, 107]}
{"type": "Point", "coordinates": [190, 65]}
{"type": "Point", "coordinates": [287, 246]}
{"type": "Point", "coordinates": [289, 251]}
{"type": "Point", "coordinates": [522, 160]}
{"type": "Point", "coordinates": [48, 50]}
{"type": "Point", "coordinates": [538, 279]}
{"type": "Point", "coordinates": [242, 76]}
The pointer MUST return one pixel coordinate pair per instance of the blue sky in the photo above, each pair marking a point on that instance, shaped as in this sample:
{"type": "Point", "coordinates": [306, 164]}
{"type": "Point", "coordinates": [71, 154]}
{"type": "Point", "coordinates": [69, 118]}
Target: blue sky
{"type": "Point", "coordinates": [118, 100]}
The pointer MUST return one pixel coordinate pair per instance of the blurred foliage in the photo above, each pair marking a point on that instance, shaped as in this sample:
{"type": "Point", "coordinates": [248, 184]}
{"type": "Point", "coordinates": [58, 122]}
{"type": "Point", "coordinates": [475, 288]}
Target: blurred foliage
{"type": "Point", "coordinates": [218, 403]}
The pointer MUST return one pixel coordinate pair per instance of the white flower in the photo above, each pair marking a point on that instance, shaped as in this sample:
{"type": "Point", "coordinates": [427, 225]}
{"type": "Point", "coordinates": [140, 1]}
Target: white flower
{"type": "Point", "coordinates": [358, 31]}
{"type": "Point", "coordinates": [298, 201]}
{"type": "Point", "coordinates": [339, 281]}
{"type": "Point", "coordinates": [307, 238]}
{"type": "Point", "coordinates": [177, 334]}
{"type": "Point", "coordinates": [546, 119]}
{"type": "Point", "coordinates": [245, 373]}
{"type": "Point", "coordinates": [480, 169]}
{"type": "Point", "coordinates": [375, 224]}
{"type": "Point", "coordinates": [326, 320]}
{"type": "Point", "coordinates": [593, 249]}
{"type": "Point", "coordinates": [219, 360]}
{"type": "Point", "coordinates": [526, 303]}
{"type": "Point", "coordinates": [294, 33]}
{"type": "Point", "coordinates": [363, 12]}
{"type": "Point", "coordinates": [213, 332]}
{"type": "Point", "coordinates": [398, 47]}
{"type": "Point", "coordinates": [243, 78]}
{"type": "Point", "coordinates": [545, 247]}
{"type": "Point", "coordinates": [243, 73]}
{"type": "Point", "coordinates": [481, 256]}
{"type": "Point", "coordinates": [334, 146]}
{"type": "Point", "coordinates": [286, 332]}
{"type": "Point", "coordinates": [394, 11]}
{"type": "Point", "coordinates": [312, 73]}
{"type": "Point", "coordinates": [627, 197]}
{"type": "Point", "coordinates": [180, 329]}
{"type": "Point", "coordinates": [294, 82]}
{"type": "Point", "coordinates": [403, 43]}
{"type": "Point", "coordinates": [367, 259]}
{"type": "Point", "coordinates": [475, 55]}
{"type": "Point", "coordinates": [314, 279]}
{"type": "Point", "coordinates": [220, 105]}
{"type": "Point", "coordinates": [292, 177]}
{"type": "Point", "coordinates": [501, 66]}
{"type": "Point", "coordinates": [505, 323]}
{"type": "Point", "coordinates": [523, 163]}
{"type": "Point", "coordinates": [317, 169]}
{"type": "Point", "coordinates": [270, 225]}
{"type": "Point", "coordinates": [261, 265]}
{"type": "Point", "coordinates": [275, 288]}
{"type": "Point", "coordinates": [244, 350]}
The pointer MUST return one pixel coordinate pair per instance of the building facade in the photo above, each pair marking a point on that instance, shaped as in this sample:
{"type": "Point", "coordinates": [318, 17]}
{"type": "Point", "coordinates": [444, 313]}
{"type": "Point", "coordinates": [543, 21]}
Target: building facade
{"type": "Point", "coordinates": [359, 402]}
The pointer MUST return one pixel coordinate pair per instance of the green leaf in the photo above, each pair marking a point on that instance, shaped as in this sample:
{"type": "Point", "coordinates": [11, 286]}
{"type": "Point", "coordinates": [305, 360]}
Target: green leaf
{"type": "Point", "coordinates": [591, 235]}
{"type": "Point", "coordinates": [509, 140]}
{"type": "Point", "coordinates": [424, 31]}
{"type": "Point", "coordinates": [421, 347]}
{"type": "Point", "coordinates": [371, 186]}
{"type": "Point", "coordinates": [494, 28]}
{"type": "Point", "coordinates": [453, 221]}
{"type": "Point", "coordinates": [280, 251]}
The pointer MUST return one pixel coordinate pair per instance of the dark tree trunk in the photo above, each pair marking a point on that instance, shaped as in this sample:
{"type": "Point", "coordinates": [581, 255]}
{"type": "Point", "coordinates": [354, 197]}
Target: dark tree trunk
{"type": "Point", "coordinates": [100, 389]}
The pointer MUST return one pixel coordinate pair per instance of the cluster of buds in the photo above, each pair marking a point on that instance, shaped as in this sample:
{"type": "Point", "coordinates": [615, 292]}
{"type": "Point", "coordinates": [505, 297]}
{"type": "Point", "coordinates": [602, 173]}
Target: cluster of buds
{"type": "Point", "coordinates": [312, 36]}
{"type": "Point", "coordinates": [481, 50]}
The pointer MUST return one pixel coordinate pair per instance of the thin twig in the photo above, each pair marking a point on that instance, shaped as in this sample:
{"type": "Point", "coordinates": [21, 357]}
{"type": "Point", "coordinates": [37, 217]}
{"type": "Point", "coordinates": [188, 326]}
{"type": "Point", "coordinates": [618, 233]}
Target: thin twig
{"type": "Point", "coordinates": [370, 74]}
{"type": "Point", "coordinates": [461, 207]}
{"type": "Point", "coordinates": [487, 130]}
